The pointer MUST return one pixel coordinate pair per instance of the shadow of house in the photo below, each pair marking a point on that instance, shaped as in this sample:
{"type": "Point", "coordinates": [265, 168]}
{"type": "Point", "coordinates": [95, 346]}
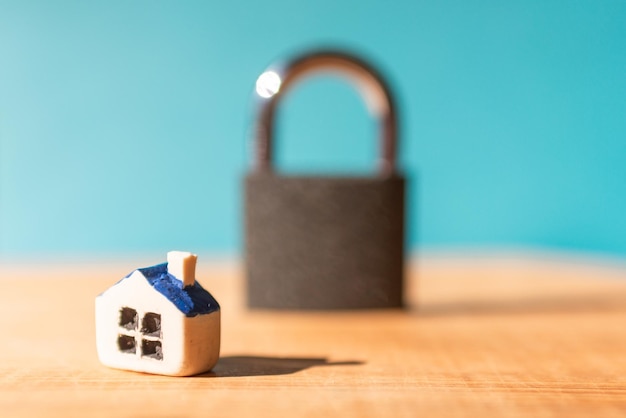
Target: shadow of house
{"type": "Point", "coordinates": [246, 366]}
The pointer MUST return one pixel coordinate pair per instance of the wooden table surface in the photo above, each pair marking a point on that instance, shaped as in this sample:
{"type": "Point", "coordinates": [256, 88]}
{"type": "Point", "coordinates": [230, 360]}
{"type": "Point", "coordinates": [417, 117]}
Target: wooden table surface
{"type": "Point", "coordinates": [484, 336]}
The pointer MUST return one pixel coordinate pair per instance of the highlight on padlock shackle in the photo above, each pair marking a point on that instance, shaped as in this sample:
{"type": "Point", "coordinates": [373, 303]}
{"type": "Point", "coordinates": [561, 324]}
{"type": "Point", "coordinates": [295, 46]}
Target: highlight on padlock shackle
{"type": "Point", "coordinates": [278, 79]}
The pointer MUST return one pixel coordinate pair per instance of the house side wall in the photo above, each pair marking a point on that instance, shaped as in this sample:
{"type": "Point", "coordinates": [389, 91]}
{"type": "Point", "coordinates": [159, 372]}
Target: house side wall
{"type": "Point", "coordinates": [202, 343]}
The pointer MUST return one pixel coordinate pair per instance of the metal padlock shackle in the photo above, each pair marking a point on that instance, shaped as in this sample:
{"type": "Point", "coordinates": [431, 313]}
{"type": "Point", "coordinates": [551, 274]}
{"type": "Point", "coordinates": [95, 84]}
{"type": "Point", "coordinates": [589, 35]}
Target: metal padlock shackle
{"type": "Point", "coordinates": [277, 80]}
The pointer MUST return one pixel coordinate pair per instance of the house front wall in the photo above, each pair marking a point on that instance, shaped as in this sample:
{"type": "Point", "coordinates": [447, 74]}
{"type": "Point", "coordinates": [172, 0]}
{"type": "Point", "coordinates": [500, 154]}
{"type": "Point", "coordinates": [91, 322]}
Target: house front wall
{"type": "Point", "coordinates": [136, 293]}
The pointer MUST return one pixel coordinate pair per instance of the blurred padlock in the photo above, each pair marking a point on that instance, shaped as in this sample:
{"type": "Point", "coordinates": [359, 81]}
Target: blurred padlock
{"type": "Point", "coordinates": [324, 242]}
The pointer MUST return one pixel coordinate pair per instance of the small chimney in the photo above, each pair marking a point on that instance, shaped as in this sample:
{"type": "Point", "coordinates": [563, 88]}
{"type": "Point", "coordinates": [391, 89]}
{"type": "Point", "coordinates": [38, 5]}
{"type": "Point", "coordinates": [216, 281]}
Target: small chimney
{"type": "Point", "coordinates": [182, 265]}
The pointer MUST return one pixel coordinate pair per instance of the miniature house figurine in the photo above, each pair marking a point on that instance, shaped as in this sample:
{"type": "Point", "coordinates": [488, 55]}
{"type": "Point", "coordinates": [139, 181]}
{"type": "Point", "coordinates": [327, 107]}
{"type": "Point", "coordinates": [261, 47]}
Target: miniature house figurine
{"type": "Point", "coordinates": [159, 320]}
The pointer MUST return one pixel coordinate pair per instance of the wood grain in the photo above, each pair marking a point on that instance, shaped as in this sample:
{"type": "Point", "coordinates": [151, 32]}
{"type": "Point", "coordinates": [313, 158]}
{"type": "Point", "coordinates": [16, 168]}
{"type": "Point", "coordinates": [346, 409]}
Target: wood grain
{"type": "Point", "coordinates": [489, 336]}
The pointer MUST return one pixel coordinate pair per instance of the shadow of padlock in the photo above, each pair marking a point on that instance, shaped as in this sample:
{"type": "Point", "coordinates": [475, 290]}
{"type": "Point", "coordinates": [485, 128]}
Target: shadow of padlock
{"type": "Point", "coordinates": [324, 242]}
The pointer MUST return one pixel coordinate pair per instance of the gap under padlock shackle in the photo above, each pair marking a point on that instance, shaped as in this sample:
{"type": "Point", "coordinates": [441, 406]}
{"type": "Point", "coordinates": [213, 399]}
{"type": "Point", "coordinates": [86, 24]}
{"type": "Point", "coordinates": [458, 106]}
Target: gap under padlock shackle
{"type": "Point", "coordinates": [324, 242]}
{"type": "Point", "coordinates": [274, 83]}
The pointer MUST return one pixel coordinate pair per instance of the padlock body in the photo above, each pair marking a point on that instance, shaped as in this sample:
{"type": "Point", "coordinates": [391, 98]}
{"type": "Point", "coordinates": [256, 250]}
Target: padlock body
{"type": "Point", "coordinates": [324, 242]}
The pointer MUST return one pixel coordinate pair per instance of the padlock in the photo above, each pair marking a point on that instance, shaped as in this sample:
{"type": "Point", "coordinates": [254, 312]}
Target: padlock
{"type": "Point", "coordinates": [324, 242]}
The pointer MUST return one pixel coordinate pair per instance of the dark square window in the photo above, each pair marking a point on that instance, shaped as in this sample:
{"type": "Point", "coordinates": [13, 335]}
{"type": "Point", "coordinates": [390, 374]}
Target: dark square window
{"type": "Point", "coordinates": [128, 318]}
{"type": "Point", "coordinates": [131, 332]}
{"type": "Point", "coordinates": [151, 324]}
{"type": "Point", "coordinates": [151, 349]}
{"type": "Point", "coordinates": [126, 344]}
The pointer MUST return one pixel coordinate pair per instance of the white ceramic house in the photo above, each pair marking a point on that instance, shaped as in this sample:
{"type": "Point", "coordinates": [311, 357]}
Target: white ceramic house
{"type": "Point", "coordinates": [159, 320]}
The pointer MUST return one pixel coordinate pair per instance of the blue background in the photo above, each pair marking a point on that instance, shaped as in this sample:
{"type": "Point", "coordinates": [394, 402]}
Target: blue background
{"type": "Point", "coordinates": [124, 125]}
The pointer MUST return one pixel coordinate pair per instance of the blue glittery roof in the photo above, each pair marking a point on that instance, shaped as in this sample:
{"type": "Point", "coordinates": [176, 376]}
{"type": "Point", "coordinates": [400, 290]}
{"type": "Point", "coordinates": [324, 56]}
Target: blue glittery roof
{"type": "Point", "coordinates": [191, 300]}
